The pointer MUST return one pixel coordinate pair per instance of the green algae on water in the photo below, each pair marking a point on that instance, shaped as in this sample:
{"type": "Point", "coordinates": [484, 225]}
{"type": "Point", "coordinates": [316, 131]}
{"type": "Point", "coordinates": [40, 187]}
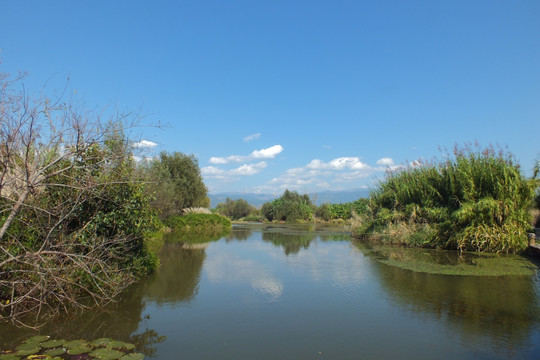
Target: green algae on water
{"type": "Point", "coordinates": [448, 262]}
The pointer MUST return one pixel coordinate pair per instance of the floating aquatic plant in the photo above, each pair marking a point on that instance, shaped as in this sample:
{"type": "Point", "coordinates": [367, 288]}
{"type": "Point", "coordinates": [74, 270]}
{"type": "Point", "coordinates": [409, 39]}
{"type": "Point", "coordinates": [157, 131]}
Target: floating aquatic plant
{"type": "Point", "coordinates": [42, 347]}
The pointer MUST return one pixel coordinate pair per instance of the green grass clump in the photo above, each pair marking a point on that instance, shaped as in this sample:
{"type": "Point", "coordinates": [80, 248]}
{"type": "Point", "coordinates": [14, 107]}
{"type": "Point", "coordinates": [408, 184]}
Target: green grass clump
{"type": "Point", "coordinates": [475, 201]}
{"type": "Point", "coordinates": [197, 220]}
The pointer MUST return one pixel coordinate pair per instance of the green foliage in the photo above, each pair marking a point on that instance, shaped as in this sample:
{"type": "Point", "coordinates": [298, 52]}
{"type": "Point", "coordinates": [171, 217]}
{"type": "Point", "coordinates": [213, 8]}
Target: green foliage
{"type": "Point", "coordinates": [325, 212]}
{"type": "Point", "coordinates": [290, 207]}
{"type": "Point", "coordinates": [175, 183]}
{"type": "Point", "coordinates": [193, 220]}
{"type": "Point", "coordinates": [477, 201]}
{"type": "Point", "coordinates": [343, 210]}
{"type": "Point", "coordinates": [84, 228]}
{"type": "Point", "coordinates": [235, 209]}
{"type": "Point", "coordinates": [253, 218]}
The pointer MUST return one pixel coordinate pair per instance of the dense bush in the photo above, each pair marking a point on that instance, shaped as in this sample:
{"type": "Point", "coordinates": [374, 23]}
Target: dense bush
{"type": "Point", "coordinates": [81, 230]}
{"type": "Point", "coordinates": [194, 220]}
{"type": "Point", "coordinates": [175, 183]}
{"type": "Point", "coordinates": [290, 207]}
{"type": "Point", "coordinates": [325, 212]}
{"type": "Point", "coordinates": [475, 201]}
{"type": "Point", "coordinates": [235, 209]}
{"type": "Point", "coordinates": [342, 210]}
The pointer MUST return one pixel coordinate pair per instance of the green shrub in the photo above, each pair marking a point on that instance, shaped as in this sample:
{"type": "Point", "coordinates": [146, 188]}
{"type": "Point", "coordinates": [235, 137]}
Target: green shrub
{"type": "Point", "coordinates": [175, 183]}
{"type": "Point", "coordinates": [235, 209]}
{"type": "Point", "coordinates": [290, 207]}
{"type": "Point", "coordinates": [475, 201]}
{"type": "Point", "coordinates": [325, 212]}
{"type": "Point", "coordinates": [253, 218]}
{"type": "Point", "coordinates": [345, 210]}
{"type": "Point", "coordinates": [195, 220]}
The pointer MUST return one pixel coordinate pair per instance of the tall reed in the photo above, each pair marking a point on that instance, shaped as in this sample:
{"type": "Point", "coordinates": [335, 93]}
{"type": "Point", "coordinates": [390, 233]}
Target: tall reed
{"type": "Point", "coordinates": [475, 200]}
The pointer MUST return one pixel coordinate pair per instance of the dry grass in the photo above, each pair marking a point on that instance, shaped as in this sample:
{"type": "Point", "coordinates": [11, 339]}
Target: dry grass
{"type": "Point", "coordinates": [198, 210]}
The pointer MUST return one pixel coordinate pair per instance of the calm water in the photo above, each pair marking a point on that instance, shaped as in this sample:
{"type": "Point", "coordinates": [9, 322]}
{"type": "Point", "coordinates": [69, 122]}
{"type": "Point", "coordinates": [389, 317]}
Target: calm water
{"type": "Point", "coordinates": [281, 292]}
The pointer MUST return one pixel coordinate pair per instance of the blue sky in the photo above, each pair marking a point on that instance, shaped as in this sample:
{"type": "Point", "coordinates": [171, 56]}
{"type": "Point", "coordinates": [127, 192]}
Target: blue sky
{"type": "Point", "coordinates": [305, 95]}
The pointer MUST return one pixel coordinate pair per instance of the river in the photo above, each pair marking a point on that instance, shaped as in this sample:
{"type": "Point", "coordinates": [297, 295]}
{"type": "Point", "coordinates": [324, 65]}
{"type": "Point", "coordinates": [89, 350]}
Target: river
{"type": "Point", "coordinates": [291, 292]}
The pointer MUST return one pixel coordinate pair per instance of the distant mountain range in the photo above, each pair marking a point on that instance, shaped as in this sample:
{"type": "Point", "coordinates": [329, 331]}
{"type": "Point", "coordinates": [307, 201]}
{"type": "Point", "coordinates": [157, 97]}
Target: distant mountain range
{"type": "Point", "coordinates": [318, 198]}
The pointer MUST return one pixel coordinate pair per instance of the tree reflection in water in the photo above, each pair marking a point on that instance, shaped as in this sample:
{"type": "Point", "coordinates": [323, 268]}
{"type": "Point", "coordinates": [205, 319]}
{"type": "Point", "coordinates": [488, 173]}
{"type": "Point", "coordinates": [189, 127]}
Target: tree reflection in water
{"type": "Point", "coordinates": [501, 308]}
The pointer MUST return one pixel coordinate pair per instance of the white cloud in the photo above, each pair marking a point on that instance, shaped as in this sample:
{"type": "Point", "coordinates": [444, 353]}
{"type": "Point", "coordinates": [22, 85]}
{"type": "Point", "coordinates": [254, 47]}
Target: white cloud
{"type": "Point", "coordinates": [217, 160]}
{"type": "Point", "coordinates": [252, 137]}
{"type": "Point", "coordinates": [144, 144]}
{"type": "Point", "coordinates": [386, 161]}
{"type": "Point", "coordinates": [319, 175]}
{"type": "Point", "coordinates": [248, 169]}
{"type": "Point", "coordinates": [138, 158]}
{"type": "Point", "coordinates": [211, 170]}
{"type": "Point", "coordinates": [231, 268]}
{"type": "Point", "coordinates": [352, 163]}
{"type": "Point", "coordinates": [268, 153]}
{"type": "Point", "coordinates": [244, 170]}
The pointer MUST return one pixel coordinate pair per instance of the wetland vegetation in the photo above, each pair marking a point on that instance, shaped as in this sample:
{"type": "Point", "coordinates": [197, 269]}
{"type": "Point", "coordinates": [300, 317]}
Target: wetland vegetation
{"type": "Point", "coordinates": [80, 219]}
{"type": "Point", "coordinates": [474, 201]}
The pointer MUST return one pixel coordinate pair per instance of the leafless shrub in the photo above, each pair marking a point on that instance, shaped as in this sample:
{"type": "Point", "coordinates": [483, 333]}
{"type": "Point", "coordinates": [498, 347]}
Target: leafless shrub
{"type": "Point", "coordinates": [61, 168]}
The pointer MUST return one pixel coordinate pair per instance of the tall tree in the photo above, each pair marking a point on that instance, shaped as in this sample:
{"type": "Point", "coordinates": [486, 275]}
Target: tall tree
{"type": "Point", "coordinates": [178, 184]}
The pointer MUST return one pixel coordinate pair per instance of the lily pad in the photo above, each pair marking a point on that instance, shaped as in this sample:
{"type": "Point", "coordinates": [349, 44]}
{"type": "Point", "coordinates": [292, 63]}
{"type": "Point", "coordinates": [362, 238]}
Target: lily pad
{"type": "Point", "coordinates": [106, 354]}
{"type": "Point", "coordinates": [38, 357]}
{"type": "Point", "coordinates": [120, 345]}
{"type": "Point", "coordinates": [37, 339]}
{"type": "Point", "coordinates": [75, 344]}
{"type": "Point", "coordinates": [9, 357]}
{"type": "Point", "coordinates": [27, 346]}
{"type": "Point", "coordinates": [101, 342]}
{"type": "Point", "coordinates": [52, 344]}
{"type": "Point", "coordinates": [55, 352]}
{"type": "Point", "coordinates": [79, 350]}
{"type": "Point", "coordinates": [28, 352]}
{"type": "Point", "coordinates": [134, 356]}
{"type": "Point", "coordinates": [26, 349]}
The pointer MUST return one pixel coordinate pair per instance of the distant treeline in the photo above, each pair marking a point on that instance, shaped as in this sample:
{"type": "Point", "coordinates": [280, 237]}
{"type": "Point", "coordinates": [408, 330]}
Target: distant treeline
{"type": "Point", "coordinates": [290, 207]}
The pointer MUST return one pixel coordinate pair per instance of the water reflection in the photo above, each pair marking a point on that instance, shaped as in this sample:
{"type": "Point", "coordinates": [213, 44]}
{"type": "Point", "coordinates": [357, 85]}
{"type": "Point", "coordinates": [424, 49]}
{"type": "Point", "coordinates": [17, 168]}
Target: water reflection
{"type": "Point", "coordinates": [291, 243]}
{"type": "Point", "coordinates": [240, 232]}
{"type": "Point", "coordinates": [196, 236]}
{"type": "Point", "coordinates": [178, 278]}
{"type": "Point", "coordinates": [271, 291]}
{"type": "Point", "coordinates": [123, 320]}
{"type": "Point", "coordinates": [293, 238]}
{"type": "Point", "coordinates": [503, 309]}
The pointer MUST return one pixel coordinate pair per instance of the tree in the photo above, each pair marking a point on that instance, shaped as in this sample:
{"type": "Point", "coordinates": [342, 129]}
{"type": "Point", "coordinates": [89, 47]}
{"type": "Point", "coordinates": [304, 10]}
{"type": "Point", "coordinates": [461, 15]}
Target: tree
{"type": "Point", "coordinates": [176, 184]}
{"type": "Point", "coordinates": [72, 214]}
{"type": "Point", "coordinates": [290, 207]}
{"type": "Point", "coordinates": [235, 209]}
